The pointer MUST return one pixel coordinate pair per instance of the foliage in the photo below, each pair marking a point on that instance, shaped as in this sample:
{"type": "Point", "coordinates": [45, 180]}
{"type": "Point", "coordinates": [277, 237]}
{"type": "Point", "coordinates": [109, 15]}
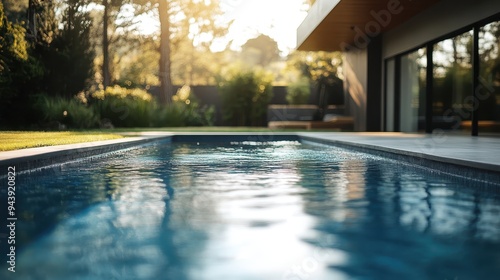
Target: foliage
{"type": "Point", "coordinates": [68, 57]}
{"type": "Point", "coordinates": [316, 65]}
{"type": "Point", "coordinates": [184, 111]}
{"type": "Point", "coordinates": [15, 10]}
{"type": "Point", "coordinates": [298, 92]}
{"type": "Point", "coordinates": [13, 46]}
{"type": "Point", "coordinates": [194, 115]}
{"type": "Point", "coordinates": [139, 68]}
{"type": "Point", "coordinates": [196, 26]}
{"type": "Point", "coordinates": [245, 96]}
{"type": "Point", "coordinates": [19, 71]}
{"type": "Point", "coordinates": [68, 112]}
{"type": "Point", "coordinates": [261, 50]}
{"type": "Point", "coordinates": [123, 107]}
{"type": "Point", "coordinates": [324, 70]}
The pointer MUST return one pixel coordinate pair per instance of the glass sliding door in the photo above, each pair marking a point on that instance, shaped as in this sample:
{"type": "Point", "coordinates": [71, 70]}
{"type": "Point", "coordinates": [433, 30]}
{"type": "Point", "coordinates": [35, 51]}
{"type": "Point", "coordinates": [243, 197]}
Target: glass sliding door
{"type": "Point", "coordinates": [450, 91]}
{"type": "Point", "coordinates": [488, 91]}
{"type": "Point", "coordinates": [412, 90]}
{"type": "Point", "coordinates": [452, 85]}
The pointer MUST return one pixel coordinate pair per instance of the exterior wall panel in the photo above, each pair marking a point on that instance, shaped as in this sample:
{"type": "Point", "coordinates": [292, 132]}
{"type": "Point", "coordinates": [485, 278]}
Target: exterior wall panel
{"type": "Point", "coordinates": [355, 86]}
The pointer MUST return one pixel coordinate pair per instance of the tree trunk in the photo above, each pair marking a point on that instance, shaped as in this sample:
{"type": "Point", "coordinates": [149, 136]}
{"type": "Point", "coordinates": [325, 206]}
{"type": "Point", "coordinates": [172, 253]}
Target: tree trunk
{"type": "Point", "coordinates": [166, 90]}
{"type": "Point", "coordinates": [106, 75]}
{"type": "Point", "coordinates": [32, 30]}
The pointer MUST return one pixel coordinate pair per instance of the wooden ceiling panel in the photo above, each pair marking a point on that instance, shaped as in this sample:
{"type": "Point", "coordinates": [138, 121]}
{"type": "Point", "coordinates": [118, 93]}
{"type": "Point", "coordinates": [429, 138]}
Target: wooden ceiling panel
{"type": "Point", "coordinates": [350, 17]}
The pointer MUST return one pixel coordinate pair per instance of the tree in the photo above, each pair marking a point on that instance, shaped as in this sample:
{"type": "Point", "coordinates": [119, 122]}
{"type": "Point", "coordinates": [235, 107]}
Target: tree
{"type": "Point", "coordinates": [139, 67]}
{"type": "Point", "coordinates": [192, 28]}
{"type": "Point", "coordinates": [324, 70]}
{"type": "Point", "coordinates": [106, 75]}
{"type": "Point", "coordinates": [166, 90]}
{"type": "Point", "coordinates": [197, 24]}
{"type": "Point", "coordinates": [115, 28]}
{"type": "Point", "coordinates": [315, 65]}
{"type": "Point", "coordinates": [13, 51]}
{"type": "Point", "coordinates": [111, 9]}
{"type": "Point", "coordinates": [15, 10]}
{"type": "Point", "coordinates": [69, 57]}
{"type": "Point", "coordinates": [18, 70]}
{"type": "Point", "coordinates": [188, 29]}
{"type": "Point", "coordinates": [261, 50]}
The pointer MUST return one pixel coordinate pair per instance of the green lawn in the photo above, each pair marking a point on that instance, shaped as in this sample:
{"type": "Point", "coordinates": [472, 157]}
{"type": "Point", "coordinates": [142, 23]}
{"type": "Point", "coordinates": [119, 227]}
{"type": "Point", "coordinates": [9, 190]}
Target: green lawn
{"type": "Point", "coordinates": [14, 140]}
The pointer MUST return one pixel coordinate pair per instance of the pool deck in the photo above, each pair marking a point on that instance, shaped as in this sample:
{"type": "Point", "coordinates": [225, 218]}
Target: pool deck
{"type": "Point", "coordinates": [476, 152]}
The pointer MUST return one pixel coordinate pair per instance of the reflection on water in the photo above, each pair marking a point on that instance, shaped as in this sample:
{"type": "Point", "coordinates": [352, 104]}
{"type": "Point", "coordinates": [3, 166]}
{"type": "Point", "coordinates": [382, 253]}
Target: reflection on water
{"type": "Point", "coordinates": [246, 211]}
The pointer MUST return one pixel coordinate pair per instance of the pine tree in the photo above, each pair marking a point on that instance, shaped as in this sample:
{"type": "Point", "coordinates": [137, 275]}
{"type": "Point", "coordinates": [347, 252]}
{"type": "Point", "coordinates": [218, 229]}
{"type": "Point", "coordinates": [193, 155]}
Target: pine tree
{"type": "Point", "coordinates": [68, 56]}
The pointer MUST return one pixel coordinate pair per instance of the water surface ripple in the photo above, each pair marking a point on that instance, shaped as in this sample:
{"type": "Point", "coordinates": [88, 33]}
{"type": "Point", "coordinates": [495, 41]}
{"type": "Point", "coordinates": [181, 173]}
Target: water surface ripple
{"type": "Point", "coordinates": [277, 210]}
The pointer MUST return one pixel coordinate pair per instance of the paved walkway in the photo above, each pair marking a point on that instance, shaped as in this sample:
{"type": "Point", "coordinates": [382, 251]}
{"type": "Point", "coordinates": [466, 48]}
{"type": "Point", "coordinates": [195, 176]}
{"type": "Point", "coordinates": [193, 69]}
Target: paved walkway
{"type": "Point", "coordinates": [478, 152]}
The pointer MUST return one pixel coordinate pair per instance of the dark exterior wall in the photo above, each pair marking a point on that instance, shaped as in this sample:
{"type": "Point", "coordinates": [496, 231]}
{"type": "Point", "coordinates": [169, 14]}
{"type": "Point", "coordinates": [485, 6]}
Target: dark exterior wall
{"type": "Point", "coordinates": [279, 95]}
{"type": "Point", "coordinates": [209, 96]}
{"type": "Point", "coordinates": [374, 86]}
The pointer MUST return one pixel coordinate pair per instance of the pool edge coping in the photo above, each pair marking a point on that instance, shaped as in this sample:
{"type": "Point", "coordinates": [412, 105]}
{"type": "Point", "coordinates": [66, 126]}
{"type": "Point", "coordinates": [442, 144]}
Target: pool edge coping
{"type": "Point", "coordinates": [33, 158]}
{"type": "Point", "coordinates": [455, 167]}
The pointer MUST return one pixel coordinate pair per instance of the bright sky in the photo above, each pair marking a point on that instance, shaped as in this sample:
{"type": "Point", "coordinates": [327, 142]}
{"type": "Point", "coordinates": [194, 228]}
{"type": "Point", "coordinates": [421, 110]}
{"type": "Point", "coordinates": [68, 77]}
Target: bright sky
{"type": "Point", "coordinates": [277, 19]}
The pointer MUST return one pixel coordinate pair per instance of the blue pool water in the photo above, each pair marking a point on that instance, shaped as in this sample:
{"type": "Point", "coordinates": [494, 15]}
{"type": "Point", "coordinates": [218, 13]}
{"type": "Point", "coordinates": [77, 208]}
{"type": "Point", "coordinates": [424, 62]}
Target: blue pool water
{"type": "Point", "coordinates": [275, 210]}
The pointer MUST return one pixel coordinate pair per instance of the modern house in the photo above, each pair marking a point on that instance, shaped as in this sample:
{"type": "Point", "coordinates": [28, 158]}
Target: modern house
{"type": "Point", "coordinates": [413, 65]}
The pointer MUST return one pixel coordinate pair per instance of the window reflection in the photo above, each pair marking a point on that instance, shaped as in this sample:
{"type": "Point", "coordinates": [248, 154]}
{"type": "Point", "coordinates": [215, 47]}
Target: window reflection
{"type": "Point", "coordinates": [412, 104]}
{"type": "Point", "coordinates": [489, 89]}
{"type": "Point", "coordinates": [452, 82]}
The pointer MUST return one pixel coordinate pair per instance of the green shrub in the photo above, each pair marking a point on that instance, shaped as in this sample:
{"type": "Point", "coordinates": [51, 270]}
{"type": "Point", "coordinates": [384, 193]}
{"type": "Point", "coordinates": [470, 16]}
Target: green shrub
{"type": "Point", "coordinates": [245, 96]}
{"type": "Point", "coordinates": [68, 112]}
{"type": "Point", "coordinates": [298, 92]}
{"type": "Point", "coordinates": [207, 115]}
{"type": "Point", "coordinates": [124, 107]}
{"type": "Point", "coordinates": [184, 111]}
{"type": "Point", "coordinates": [168, 116]}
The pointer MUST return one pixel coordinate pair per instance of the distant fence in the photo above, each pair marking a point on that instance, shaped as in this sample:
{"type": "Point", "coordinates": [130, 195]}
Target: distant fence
{"type": "Point", "coordinates": [209, 95]}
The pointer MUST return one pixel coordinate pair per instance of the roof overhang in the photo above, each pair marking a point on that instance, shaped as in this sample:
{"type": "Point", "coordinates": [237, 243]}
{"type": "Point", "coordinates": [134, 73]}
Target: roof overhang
{"type": "Point", "coordinates": [336, 25]}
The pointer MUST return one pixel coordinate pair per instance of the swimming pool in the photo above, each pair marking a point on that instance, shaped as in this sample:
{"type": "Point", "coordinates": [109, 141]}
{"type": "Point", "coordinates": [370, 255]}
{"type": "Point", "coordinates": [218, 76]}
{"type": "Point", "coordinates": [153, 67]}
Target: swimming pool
{"type": "Point", "coordinates": [252, 210]}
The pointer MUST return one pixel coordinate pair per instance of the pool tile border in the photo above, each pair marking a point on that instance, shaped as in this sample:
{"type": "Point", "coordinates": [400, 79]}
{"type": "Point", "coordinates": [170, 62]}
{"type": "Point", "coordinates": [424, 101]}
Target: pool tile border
{"type": "Point", "coordinates": [35, 158]}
